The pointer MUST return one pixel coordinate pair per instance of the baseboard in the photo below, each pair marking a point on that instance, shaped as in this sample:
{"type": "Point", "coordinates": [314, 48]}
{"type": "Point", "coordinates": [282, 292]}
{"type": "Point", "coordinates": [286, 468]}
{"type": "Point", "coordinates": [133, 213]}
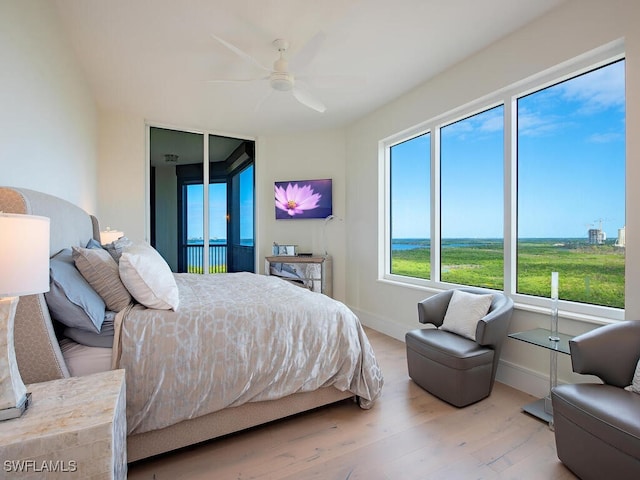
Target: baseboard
{"type": "Point", "coordinates": [382, 325]}
{"type": "Point", "coordinates": [528, 381]}
{"type": "Point", "coordinates": [523, 379]}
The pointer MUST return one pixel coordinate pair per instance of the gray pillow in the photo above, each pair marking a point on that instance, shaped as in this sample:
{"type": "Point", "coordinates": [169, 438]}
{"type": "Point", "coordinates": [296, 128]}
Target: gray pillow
{"type": "Point", "coordinates": [103, 339]}
{"type": "Point", "coordinates": [115, 248]}
{"type": "Point", "coordinates": [70, 298]}
{"type": "Point", "coordinates": [93, 243]}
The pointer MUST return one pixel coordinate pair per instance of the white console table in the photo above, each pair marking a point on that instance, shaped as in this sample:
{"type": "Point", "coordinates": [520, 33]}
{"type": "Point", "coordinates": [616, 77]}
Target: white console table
{"type": "Point", "coordinates": [312, 272]}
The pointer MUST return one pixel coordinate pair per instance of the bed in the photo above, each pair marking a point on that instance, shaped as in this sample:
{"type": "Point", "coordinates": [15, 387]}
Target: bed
{"type": "Point", "coordinates": [223, 353]}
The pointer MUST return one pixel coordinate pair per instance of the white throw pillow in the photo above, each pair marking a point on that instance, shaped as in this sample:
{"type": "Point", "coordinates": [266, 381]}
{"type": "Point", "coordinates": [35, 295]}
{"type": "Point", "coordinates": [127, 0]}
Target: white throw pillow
{"type": "Point", "coordinates": [148, 277]}
{"type": "Point", "coordinates": [464, 311]}
{"type": "Point", "coordinates": [635, 384]}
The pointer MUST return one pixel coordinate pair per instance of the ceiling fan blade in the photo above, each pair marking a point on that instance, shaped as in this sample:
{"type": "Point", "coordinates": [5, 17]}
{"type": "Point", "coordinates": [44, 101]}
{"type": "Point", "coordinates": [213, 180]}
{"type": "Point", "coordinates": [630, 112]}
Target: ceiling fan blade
{"type": "Point", "coordinates": [307, 53]}
{"type": "Point", "coordinates": [334, 81]}
{"type": "Point", "coordinates": [263, 99]}
{"type": "Point", "coordinates": [240, 53]}
{"type": "Point", "coordinates": [307, 99]}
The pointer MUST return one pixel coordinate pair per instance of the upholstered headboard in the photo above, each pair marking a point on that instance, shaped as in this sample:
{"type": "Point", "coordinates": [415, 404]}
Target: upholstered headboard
{"type": "Point", "coordinates": [37, 350]}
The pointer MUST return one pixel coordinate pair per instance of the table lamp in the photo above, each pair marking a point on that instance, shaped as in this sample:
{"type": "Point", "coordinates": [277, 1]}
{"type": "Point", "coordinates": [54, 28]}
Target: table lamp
{"type": "Point", "coordinates": [24, 270]}
{"type": "Point", "coordinates": [109, 236]}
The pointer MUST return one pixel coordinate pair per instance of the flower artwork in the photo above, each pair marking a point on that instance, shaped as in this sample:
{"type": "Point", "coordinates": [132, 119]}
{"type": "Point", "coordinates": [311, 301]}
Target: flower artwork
{"type": "Point", "coordinates": [295, 200]}
{"type": "Point", "coordinates": [303, 199]}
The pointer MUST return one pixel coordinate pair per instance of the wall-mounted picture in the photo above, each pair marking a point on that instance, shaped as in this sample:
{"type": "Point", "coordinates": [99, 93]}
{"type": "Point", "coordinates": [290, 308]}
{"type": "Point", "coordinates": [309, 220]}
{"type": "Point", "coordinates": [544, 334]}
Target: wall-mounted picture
{"type": "Point", "coordinates": [297, 199]}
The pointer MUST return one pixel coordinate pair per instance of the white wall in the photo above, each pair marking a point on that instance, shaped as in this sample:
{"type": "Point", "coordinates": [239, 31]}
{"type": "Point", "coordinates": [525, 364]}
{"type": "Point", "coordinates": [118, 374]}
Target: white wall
{"type": "Point", "coordinates": [48, 135]}
{"type": "Point", "coordinates": [123, 197]}
{"type": "Point", "coordinates": [303, 157]}
{"type": "Point", "coordinates": [573, 29]}
{"type": "Point", "coordinates": [122, 173]}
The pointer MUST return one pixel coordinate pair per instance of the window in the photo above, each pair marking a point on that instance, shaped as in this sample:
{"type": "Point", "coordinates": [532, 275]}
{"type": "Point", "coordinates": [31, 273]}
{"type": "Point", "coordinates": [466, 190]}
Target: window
{"type": "Point", "coordinates": [571, 188]}
{"type": "Point", "coordinates": [246, 206]}
{"type": "Point", "coordinates": [547, 157]}
{"type": "Point", "coordinates": [472, 200]}
{"type": "Point", "coordinates": [217, 212]}
{"type": "Point", "coordinates": [410, 178]}
{"type": "Point", "coordinates": [218, 241]}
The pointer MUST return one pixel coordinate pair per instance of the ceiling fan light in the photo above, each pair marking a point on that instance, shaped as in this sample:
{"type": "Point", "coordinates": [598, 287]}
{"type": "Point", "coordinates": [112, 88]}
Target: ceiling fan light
{"type": "Point", "coordinates": [282, 82]}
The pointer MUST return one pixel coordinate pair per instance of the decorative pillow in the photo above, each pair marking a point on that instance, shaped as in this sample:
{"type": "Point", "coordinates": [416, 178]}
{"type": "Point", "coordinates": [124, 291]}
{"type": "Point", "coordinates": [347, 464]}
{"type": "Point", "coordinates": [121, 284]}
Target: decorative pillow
{"type": "Point", "coordinates": [70, 298]}
{"type": "Point", "coordinates": [464, 311]}
{"type": "Point", "coordinates": [635, 384]}
{"type": "Point", "coordinates": [101, 271]}
{"type": "Point", "coordinates": [148, 277]}
{"type": "Point", "coordinates": [93, 243]}
{"type": "Point", "coordinates": [116, 248]}
{"type": "Point", "coordinates": [104, 339]}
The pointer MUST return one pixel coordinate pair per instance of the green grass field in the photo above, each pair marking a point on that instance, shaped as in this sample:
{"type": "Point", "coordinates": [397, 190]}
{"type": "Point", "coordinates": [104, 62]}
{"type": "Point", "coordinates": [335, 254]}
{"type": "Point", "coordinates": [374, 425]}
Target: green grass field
{"type": "Point", "coordinates": [591, 274]}
{"type": "Point", "coordinates": [212, 269]}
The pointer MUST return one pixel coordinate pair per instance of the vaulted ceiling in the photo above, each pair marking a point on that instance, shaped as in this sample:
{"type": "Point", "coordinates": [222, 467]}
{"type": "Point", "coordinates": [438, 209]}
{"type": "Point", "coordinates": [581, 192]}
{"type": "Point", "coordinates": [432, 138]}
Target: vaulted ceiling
{"type": "Point", "coordinates": [155, 58]}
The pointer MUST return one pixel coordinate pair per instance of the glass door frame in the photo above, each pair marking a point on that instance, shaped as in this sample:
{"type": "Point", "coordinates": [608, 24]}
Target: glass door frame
{"type": "Point", "coordinates": [148, 179]}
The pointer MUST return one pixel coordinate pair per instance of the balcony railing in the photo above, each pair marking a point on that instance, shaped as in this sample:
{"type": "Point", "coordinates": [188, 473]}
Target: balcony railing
{"type": "Point", "coordinates": [194, 258]}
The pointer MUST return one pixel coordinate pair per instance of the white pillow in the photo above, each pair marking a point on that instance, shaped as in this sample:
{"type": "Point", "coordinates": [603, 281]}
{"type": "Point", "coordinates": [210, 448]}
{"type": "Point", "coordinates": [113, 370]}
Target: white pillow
{"type": "Point", "coordinates": [635, 384]}
{"type": "Point", "coordinates": [148, 277]}
{"type": "Point", "coordinates": [464, 311]}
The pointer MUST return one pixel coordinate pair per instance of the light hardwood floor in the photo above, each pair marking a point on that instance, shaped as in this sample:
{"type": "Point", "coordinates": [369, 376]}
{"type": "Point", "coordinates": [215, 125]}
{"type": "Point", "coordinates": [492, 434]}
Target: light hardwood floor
{"type": "Point", "coordinates": [408, 434]}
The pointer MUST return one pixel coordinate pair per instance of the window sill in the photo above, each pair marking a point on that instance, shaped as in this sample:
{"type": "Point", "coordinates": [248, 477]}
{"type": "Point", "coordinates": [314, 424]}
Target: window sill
{"type": "Point", "coordinates": [584, 313]}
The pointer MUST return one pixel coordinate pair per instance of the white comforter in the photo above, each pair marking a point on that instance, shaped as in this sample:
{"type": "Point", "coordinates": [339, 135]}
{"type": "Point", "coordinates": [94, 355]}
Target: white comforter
{"type": "Point", "coordinates": [237, 338]}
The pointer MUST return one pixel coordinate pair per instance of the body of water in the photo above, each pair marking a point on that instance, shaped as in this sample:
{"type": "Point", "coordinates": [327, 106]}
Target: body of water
{"type": "Point", "coordinates": [219, 241]}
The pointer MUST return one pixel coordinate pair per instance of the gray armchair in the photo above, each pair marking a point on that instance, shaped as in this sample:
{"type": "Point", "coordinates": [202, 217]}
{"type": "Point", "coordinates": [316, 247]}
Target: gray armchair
{"type": "Point", "coordinates": [597, 426]}
{"type": "Point", "coordinates": [454, 368]}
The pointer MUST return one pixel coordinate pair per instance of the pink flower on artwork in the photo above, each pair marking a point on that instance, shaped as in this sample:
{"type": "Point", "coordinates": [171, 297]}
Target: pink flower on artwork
{"type": "Point", "coordinates": [295, 200]}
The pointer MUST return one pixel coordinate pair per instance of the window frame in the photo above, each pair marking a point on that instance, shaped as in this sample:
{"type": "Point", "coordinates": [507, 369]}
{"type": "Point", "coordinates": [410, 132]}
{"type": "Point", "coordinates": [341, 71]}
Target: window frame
{"type": "Point", "coordinates": [508, 97]}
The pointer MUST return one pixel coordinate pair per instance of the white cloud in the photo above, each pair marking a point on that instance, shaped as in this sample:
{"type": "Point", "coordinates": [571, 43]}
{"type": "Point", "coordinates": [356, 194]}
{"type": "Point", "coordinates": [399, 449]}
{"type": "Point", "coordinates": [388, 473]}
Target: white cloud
{"type": "Point", "coordinates": [486, 122]}
{"type": "Point", "coordinates": [534, 125]}
{"type": "Point", "coordinates": [597, 90]}
{"type": "Point", "coordinates": [605, 137]}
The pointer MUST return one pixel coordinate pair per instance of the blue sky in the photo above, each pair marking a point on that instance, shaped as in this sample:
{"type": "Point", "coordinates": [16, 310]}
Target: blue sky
{"type": "Point", "coordinates": [571, 160]}
{"type": "Point", "coordinates": [218, 208]}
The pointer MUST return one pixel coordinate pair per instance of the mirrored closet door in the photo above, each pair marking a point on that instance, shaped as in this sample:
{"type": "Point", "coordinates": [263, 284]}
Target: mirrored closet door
{"type": "Point", "coordinates": [202, 226]}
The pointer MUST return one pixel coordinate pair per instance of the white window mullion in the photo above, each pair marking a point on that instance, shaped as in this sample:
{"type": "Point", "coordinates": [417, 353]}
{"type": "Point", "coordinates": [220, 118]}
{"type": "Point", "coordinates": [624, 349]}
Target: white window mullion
{"type": "Point", "coordinates": [435, 204]}
{"type": "Point", "coordinates": [205, 203]}
{"type": "Point", "coordinates": [510, 195]}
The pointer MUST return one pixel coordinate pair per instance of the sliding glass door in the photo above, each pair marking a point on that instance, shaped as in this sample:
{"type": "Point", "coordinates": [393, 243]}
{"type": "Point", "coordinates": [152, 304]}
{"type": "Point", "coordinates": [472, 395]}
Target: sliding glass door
{"type": "Point", "coordinates": [200, 230]}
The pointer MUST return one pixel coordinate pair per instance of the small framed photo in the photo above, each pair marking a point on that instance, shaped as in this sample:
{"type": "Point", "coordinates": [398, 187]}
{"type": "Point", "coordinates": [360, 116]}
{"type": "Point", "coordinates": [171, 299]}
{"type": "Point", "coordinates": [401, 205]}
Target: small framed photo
{"type": "Point", "coordinates": [287, 250]}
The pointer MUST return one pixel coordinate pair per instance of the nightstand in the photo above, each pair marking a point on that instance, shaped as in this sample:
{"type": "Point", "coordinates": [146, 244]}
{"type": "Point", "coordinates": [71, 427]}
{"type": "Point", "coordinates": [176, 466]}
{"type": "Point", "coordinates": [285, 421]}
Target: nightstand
{"type": "Point", "coordinates": [75, 428]}
{"type": "Point", "coordinates": [312, 272]}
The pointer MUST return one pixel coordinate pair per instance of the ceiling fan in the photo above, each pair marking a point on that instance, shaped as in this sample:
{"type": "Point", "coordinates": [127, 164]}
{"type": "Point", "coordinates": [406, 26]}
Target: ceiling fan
{"type": "Point", "coordinates": [280, 78]}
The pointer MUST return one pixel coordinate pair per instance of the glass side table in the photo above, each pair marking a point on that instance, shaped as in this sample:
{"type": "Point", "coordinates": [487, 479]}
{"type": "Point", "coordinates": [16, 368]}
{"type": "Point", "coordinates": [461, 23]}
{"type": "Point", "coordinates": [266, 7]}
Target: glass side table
{"type": "Point", "coordinates": [542, 408]}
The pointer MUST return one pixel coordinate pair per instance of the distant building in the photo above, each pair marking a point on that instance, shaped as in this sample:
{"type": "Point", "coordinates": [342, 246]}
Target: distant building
{"type": "Point", "coordinates": [597, 236]}
{"type": "Point", "coordinates": [620, 241]}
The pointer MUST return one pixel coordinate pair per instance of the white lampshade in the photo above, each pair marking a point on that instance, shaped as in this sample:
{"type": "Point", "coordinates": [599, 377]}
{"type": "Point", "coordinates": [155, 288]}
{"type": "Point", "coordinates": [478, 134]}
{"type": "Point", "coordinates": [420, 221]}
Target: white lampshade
{"type": "Point", "coordinates": [24, 254]}
{"type": "Point", "coordinates": [109, 236]}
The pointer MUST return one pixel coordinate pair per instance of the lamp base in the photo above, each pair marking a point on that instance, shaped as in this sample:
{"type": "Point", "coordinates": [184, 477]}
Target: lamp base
{"type": "Point", "coordinates": [17, 411]}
